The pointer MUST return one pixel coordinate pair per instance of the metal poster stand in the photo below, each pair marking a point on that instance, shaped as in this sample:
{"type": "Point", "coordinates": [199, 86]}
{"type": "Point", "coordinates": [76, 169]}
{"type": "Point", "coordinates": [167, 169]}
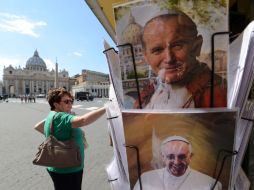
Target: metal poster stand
{"type": "Point", "coordinates": [228, 153]}
{"type": "Point", "coordinates": [247, 145]}
{"type": "Point", "coordinates": [213, 63]}
{"type": "Point", "coordinates": [135, 70]}
{"type": "Point", "coordinates": [112, 78]}
{"type": "Point", "coordinates": [137, 160]}
{"type": "Point", "coordinates": [112, 180]}
{"type": "Point", "coordinates": [134, 66]}
{"type": "Point", "coordinates": [138, 163]}
{"type": "Point", "coordinates": [212, 66]}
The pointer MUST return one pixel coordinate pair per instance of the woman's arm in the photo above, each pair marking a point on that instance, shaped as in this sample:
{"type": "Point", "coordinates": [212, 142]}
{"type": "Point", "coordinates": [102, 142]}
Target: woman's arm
{"type": "Point", "coordinates": [87, 118]}
{"type": "Point", "coordinates": [40, 126]}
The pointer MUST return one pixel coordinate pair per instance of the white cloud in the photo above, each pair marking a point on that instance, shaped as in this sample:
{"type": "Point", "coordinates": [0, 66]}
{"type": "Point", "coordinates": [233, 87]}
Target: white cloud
{"type": "Point", "coordinates": [19, 24]}
{"type": "Point", "coordinates": [77, 54]}
{"type": "Point", "coordinates": [50, 64]}
{"type": "Point", "coordinates": [5, 62]}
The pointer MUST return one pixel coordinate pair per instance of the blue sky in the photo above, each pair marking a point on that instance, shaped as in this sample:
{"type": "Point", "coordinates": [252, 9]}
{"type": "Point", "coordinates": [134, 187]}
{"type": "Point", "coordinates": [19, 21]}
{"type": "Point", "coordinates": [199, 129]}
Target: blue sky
{"type": "Point", "coordinates": [62, 30]}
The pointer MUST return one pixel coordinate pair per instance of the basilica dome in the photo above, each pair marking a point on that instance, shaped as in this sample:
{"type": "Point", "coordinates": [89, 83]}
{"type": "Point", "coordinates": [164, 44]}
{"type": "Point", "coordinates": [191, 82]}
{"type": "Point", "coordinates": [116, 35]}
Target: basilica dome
{"type": "Point", "coordinates": [132, 33]}
{"type": "Point", "coordinates": [36, 63]}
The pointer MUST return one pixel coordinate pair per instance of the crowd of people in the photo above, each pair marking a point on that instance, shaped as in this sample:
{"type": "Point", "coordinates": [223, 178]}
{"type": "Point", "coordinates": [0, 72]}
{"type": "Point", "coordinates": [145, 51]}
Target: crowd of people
{"type": "Point", "coordinates": [27, 98]}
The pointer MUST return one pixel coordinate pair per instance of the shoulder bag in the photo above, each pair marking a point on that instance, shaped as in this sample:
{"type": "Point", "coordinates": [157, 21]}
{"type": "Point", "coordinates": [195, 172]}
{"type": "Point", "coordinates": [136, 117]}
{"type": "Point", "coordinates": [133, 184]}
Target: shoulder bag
{"type": "Point", "coordinates": [59, 154]}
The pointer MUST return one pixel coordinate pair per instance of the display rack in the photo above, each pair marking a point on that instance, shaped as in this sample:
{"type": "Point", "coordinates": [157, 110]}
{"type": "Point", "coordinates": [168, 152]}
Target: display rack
{"type": "Point", "coordinates": [135, 70]}
{"type": "Point", "coordinates": [228, 153]}
{"type": "Point", "coordinates": [213, 64]}
{"type": "Point", "coordinates": [138, 163]}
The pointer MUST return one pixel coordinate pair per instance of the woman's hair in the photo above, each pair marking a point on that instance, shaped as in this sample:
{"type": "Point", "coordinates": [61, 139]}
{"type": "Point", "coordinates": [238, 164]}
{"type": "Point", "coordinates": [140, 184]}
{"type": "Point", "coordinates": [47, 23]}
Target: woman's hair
{"type": "Point", "coordinates": [55, 95]}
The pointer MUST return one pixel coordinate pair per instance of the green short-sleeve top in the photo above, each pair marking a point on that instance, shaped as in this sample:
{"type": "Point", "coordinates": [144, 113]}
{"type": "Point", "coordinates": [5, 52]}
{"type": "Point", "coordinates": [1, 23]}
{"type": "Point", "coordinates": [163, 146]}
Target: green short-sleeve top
{"type": "Point", "coordinates": [63, 131]}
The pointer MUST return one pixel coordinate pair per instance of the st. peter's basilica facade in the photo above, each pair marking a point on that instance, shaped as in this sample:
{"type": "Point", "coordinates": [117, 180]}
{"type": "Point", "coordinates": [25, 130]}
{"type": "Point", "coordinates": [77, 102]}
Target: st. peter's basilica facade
{"type": "Point", "coordinates": [34, 79]}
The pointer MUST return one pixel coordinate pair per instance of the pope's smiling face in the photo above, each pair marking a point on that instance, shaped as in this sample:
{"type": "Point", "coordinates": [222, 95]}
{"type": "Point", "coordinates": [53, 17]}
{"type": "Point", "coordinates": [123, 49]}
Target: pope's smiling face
{"type": "Point", "coordinates": [169, 48]}
{"type": "Point", "coordinates": [176, 156]}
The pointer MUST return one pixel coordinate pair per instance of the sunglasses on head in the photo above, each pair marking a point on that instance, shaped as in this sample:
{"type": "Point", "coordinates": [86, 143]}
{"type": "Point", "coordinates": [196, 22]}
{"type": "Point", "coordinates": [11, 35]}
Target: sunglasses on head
{"type": "Point", "coordinates": [70, 101]}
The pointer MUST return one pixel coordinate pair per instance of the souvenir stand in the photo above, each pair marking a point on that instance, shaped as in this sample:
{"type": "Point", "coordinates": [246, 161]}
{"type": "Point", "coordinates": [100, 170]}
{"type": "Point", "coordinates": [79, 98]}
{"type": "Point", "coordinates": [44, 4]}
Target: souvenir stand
{"type": "Point", "coordinates": [224, 132]}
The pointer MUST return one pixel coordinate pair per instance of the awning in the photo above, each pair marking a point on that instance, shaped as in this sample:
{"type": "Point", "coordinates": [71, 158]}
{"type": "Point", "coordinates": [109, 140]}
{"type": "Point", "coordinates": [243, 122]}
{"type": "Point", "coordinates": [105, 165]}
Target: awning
{"type": "Point", "coordinates": [103, 10]}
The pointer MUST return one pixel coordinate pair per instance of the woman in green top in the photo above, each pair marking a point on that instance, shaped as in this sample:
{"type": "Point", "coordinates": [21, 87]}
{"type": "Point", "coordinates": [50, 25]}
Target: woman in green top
{"type": "Point", "coordinates": [66, 125]}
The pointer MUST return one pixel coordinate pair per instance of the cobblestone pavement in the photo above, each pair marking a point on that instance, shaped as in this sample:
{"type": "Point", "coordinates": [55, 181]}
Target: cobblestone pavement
{"type": "Point", "coordinates": [19, 141]}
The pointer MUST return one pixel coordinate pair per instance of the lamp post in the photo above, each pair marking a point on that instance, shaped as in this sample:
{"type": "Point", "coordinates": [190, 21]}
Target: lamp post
{"type": "Point", "coordinates": [56, 76]}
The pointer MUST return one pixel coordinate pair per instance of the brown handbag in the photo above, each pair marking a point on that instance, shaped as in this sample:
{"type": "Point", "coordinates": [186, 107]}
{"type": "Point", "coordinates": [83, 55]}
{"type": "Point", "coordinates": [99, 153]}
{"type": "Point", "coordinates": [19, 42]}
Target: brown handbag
{"type": "Point", "coordinates": [59, 154]}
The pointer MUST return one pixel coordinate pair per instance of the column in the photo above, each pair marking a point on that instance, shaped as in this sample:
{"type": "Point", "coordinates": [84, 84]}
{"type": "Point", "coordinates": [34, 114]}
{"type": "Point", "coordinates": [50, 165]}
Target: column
{"type": "Point", "coordinates": [16, 88]}
{"type": "Point", "coordinates": [31, 86]}
{"type": "Point", "coordinates": [37, 86]}
{"type": "Point", "coordinates": [23, 87]}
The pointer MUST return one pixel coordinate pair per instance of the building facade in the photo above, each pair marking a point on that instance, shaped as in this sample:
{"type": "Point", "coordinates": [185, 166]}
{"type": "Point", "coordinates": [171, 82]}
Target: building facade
{"type": "Point", "coordinates": [34, 79]}
{"type": "Point", "coordinates": [1, 88]}
{"type": "Point", "coordinates": [132, 35]}
{"type": "Point", "coordinates": [96, 83]}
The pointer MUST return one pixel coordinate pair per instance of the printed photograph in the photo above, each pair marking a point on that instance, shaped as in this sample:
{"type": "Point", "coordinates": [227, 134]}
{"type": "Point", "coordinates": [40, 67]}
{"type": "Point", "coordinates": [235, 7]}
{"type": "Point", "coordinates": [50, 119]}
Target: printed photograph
{"type": "Point", "coordinates": [180, 150]}
{"type": "Point", "coordinates": [165, 53]}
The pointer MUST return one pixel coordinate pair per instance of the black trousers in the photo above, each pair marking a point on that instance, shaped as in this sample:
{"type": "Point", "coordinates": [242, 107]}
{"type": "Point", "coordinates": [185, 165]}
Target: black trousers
{"type": "Point", "coordinates": [70, 181]}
